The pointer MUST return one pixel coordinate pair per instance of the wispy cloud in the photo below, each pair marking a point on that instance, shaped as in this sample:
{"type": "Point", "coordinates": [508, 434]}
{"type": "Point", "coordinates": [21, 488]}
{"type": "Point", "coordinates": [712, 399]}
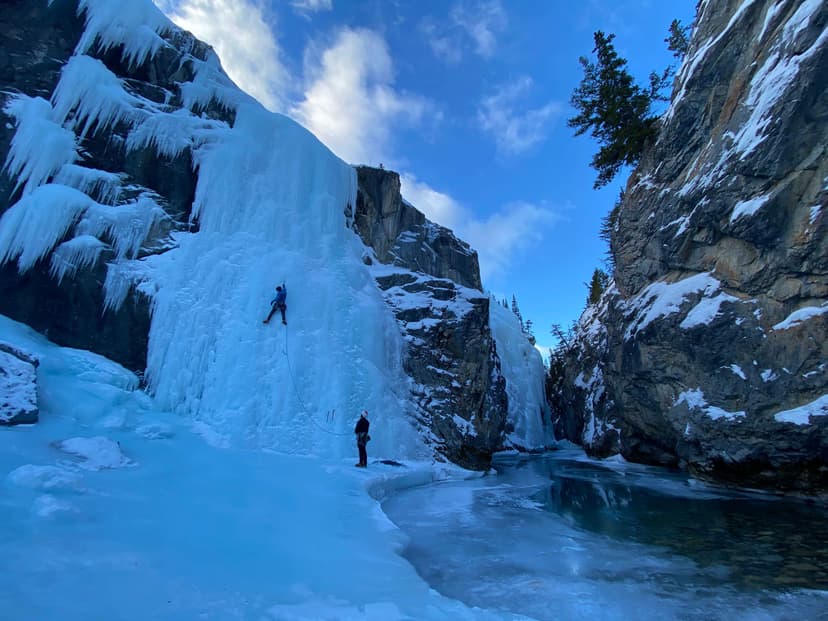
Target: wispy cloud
{"type": "Point", "coordinates": [514, 128]}
{"type": "Point", "coordinates": [306, 7]}
{"type": "Point", "coordinates": [445, 44]}
{"type": "Point", "coordinates": [246, 44]}
{"type": "Point", "coordinates": [498, 239]}
{"type": "Point", "coordinates": [469, 24]}
{"type": "Point", "coordinates": [482, 21]}
{"type": "Point", "coordinates": [351, 103]}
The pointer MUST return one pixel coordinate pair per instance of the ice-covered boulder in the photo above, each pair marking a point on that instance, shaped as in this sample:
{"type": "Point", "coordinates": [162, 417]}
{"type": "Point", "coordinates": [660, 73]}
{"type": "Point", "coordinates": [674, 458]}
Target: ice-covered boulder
{"type": "Point", "coordinates": [18, 386]}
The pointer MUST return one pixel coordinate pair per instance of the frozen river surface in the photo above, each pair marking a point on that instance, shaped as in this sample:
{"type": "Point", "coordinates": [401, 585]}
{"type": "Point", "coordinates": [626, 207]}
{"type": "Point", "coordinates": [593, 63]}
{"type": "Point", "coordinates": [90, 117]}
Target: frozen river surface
{"type": "Point", "coordinates": [561, 537]}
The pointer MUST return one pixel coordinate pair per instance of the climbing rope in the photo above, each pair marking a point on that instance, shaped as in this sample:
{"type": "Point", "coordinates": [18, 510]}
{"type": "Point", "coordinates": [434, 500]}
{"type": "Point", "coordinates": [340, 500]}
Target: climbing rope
{"type": "Point", "coordinates": [299, 397]}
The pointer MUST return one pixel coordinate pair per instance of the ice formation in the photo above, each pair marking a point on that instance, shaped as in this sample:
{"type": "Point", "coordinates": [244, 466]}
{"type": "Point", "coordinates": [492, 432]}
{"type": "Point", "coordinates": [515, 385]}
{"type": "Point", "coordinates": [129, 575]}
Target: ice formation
{"type": "Point", "coordinates": [269, 203]}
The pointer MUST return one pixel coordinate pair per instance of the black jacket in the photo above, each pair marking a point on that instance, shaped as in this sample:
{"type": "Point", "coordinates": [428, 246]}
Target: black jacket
{"type": "Point", "coordinates": [362, 425]}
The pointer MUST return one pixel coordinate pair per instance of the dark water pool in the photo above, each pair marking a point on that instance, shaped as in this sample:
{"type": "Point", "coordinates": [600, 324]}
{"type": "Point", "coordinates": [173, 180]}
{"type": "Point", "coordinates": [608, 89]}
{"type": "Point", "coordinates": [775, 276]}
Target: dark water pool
{"type": "Point", "coordinates": [564, 537]}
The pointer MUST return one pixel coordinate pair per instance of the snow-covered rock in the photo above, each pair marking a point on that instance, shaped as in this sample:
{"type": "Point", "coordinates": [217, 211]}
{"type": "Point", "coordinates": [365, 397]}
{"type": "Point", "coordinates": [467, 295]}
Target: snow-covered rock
{"type": "Point", "coordinates": [18, 386]}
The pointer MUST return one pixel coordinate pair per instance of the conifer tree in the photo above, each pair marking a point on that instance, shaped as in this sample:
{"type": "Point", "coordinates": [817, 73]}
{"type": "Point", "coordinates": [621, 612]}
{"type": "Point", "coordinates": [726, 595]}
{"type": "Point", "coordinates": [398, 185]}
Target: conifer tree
{"type": "Point", "coordinates": [516, 311]}
{"type": "Point", "coordinates": [597, 285]}
{"type": "Point", "coordinates": [614, 109]}
{"type": "Point", "coordinates": [678, 39]}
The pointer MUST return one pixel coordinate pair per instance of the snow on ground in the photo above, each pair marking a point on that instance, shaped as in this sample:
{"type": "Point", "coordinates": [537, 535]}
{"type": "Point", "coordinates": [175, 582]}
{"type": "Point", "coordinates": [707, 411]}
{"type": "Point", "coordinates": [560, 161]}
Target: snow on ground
{"type": "Point", "coordinates": [189, 531]}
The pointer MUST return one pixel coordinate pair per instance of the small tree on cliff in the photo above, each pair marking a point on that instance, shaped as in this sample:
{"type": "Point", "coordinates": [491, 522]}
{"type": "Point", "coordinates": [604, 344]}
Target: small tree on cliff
{"type": "Point", "coordinates": [678, 38]}
{"type": "Point", "coordinates": [614, 109]}
{"type": "Point", "coordinates": [597, 285]}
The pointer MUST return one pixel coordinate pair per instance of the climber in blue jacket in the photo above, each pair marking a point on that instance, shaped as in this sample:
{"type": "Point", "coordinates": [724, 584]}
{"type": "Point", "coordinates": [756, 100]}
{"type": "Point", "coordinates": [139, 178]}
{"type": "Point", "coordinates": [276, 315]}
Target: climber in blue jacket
{"type": "Point", "coordinates": [278, 303]}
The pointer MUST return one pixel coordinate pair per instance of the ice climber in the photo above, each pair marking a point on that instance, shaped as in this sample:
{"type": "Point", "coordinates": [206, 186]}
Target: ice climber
{"type": "Point", "coordinates": [361, 431]}
{"type": "Point", "coordinates": [278, 303]}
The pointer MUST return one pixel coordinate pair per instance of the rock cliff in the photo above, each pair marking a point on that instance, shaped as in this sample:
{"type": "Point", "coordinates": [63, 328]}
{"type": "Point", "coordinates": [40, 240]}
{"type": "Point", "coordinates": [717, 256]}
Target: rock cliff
{"type": "Point", "coordinates": [431, 280]}
{"type": "Point", "coordinates": [709, 351]}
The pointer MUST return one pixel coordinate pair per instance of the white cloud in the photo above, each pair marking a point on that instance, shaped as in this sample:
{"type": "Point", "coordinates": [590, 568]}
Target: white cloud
{"type": "Point", "coordinates": [437, 206]}
{"type": "Point", "coordinates": [482, 21]}
{"type": "Point", "coordinates": [243, 40]}
{"type": "Point", "coordinates": [469, 24]}
{"type": "Point", "coordinates": [498, 239]}
{"type": "Point", "coordinates": [445, 45]}
{"type": "Point", "coordinates": [516, 130]}
{"type": "Point", "coordinates": [311, 6]}
{"type": "Point", "coordinates": [351, 104]}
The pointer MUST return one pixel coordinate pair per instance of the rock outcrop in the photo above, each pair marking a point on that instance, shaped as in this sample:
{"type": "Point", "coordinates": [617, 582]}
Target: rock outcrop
{"type": "Point", "coordinates": [709, 351]}
{"type": "Point", "coordinates": [431, 281]}
{"type": "Point", "coordinates": [18, 386]}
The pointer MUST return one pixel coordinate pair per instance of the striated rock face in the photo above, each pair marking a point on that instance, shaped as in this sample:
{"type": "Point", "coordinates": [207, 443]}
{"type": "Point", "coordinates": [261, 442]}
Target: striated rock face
{"type": "Point", "coordinates": [18, 386]}
{"type": "Point", "coordinates": [431, 281]}
{"type": "Point", "coordinates": [710, 350]}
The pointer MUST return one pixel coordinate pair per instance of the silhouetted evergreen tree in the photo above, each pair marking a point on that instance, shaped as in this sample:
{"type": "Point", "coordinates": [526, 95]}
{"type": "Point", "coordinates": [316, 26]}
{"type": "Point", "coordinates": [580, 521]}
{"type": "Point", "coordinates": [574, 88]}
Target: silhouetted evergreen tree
{"type": "Point", "coordinates": [597, 285]}
{"type": "Point", "coordinates": [615, 110]}
{"type": "Point", "coordinates": [678, 39]}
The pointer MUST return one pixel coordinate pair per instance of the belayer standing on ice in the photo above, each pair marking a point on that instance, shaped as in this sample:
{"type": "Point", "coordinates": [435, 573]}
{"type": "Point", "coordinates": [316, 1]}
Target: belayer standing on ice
{"type": "Point", "coordinates": [361, 431]}
{"type": "Point", "coordinates": [278, 303]}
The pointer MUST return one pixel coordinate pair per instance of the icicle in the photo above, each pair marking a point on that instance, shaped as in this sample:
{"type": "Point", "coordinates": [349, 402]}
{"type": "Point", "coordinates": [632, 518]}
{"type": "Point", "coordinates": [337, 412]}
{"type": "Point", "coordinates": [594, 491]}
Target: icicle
{"type": "Point", "coordinates": [137, 25]}
{"type": "Point", "coordinates": [211, 84]}
{"type": "Point", "coordinates": [39, 146]}
{"type": "Point", "coordinates": [104, 187]}
{"type": "Point", "coordinates": [171, 133]}
{"type": "Point", "coordinates": [127, 225]}
{"type": "Point", "coordinates": [95, 94]}
{"type": "Point", "coordinates": [78, 253]}
{"type": "Point", "coordinates": [31, 227]}
{"type": "Point", "coordinates": [121, 277]}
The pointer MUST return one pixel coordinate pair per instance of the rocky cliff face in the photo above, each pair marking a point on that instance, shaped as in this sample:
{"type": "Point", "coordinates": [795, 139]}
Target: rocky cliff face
{"type": "Point", "coordinates": [37, 39]}
{"type": "Point", "coordinates": [143, 193]}
{"type": "Point", "coordinates": [431, 280]}
{"type": "Point", "coordinates": [710, 349]}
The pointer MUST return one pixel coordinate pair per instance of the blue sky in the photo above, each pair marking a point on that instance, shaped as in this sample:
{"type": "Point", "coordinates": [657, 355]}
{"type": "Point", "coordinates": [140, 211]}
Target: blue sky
{"type": "Point", "coordinates": [467, 100]}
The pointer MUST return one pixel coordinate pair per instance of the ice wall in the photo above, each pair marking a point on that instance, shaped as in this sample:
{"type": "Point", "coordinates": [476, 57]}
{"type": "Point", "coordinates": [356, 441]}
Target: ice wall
{"type": "Point", "coordinates": [269, 208]}
{"type": "Point", "coordinates": [522, 366]}
{"type": "Point", "coordinates": [270, 201]}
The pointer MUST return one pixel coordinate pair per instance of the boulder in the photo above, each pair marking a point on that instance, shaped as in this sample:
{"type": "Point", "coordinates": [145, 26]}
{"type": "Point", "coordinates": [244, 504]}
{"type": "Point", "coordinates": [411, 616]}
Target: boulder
{"type": "Point", "coordinates": [18, 386]}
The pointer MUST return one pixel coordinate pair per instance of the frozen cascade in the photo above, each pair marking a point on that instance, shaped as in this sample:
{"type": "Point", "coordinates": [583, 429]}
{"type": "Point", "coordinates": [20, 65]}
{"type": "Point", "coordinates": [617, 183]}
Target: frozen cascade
{"type": "Point", "coordinates": [270, 202]}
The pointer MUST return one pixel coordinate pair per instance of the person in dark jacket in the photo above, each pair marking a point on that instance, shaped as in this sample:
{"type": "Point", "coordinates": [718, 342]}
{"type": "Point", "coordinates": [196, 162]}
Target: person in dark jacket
{"type": "Point", "coordinates": [361, 431]}
{"type": "Point", "coordinates": [278, 303]}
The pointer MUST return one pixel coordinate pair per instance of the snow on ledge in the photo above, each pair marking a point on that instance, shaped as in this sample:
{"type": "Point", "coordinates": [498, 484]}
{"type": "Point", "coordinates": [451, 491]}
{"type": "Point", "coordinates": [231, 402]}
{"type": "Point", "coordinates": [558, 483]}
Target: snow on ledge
{"type": "Point", "coordinates": [660, 299]}
{"type": "Point", "coordinates": [803, 414]}
{"type": "Point", "coordinates": [706, 311]}
{"type": "Point", "coordinates": [748, 208]}
{"type": "Point", "coordinates": [695, 401]}
{"type": "Point", "coordinates": [800, 316]}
